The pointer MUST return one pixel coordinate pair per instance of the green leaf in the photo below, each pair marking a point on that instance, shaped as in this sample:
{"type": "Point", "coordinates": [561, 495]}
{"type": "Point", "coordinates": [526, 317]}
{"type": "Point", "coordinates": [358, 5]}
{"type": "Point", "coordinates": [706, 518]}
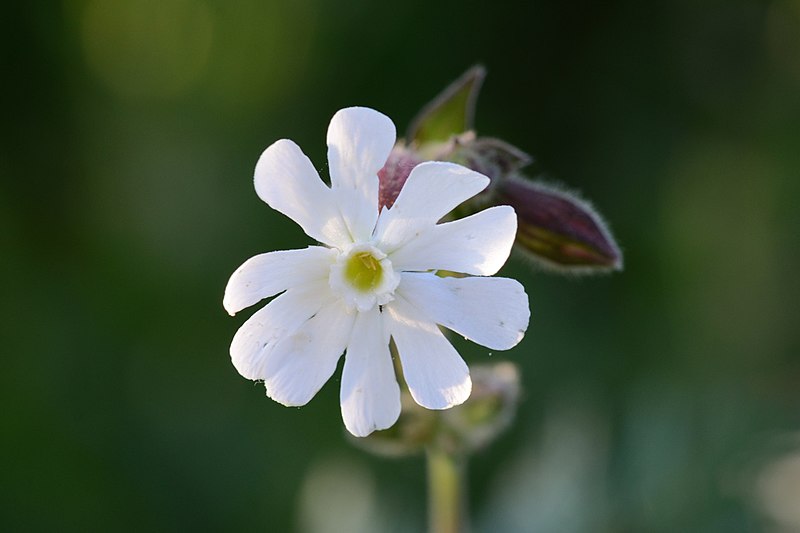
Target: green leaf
{"type": "Point", "coordinates": [450, 113]}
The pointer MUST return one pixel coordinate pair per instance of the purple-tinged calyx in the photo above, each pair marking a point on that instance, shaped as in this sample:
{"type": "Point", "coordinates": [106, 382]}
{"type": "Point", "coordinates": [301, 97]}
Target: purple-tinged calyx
{"type": "Point", "coordinates": [557, 228]}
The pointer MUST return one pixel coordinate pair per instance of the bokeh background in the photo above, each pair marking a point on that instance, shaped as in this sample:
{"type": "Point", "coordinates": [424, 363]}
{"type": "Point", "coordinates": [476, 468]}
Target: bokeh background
{"type": "Point", "coordinates": [665, 398]}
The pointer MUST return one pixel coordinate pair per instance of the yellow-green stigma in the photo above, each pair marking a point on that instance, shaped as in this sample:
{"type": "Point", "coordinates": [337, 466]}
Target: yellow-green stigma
{"type": "Point", "coordinates": [363, 271]}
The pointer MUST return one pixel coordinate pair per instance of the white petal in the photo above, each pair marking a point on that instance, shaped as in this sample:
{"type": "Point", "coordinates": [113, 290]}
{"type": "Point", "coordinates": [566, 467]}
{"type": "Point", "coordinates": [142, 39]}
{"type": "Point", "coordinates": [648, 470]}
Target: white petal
{"type": "Point", "coordinates": [370, 395]}
{"type": "Point", "coordinates": [432, 190]}
{"type": "Point", "coordinates": [493, 312]}
{"type": "Point", "coordinates": [287, 181]}
{"type": "Point", "coordinates": [478, 244]}
{"type": "Point", "coordinates": [436, 375]}
{"type": "Point", "coordinates": [301, 362]}
{"type": "Point", "coordinates": [266, 275]}
{"type": "Point", "coordinates": [359, 142]}
{"type": "Point", "coordinates": [283, 315]}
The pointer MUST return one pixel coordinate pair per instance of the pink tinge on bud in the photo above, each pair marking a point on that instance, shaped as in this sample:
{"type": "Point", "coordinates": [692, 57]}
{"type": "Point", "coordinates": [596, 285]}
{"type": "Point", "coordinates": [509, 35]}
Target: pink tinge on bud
{"type": "Point", "coordinates": [394, 174]}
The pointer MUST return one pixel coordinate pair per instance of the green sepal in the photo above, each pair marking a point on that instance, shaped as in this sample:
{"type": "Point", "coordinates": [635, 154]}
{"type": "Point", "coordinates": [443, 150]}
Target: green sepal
{"type": "Point", "coordinates": [452, 112]}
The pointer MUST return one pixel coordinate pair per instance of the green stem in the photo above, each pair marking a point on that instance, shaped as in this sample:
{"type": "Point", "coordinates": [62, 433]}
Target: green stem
{"type": "Point", "coordinates": [447, 509]}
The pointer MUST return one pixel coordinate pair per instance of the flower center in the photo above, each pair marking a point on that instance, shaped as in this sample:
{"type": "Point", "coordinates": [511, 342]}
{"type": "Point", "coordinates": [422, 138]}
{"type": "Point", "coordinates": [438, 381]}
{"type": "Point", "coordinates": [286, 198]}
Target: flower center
{"type": "Point", "coordinates": [363, 271]}
{"type": "Point", "coordinates": [363, 276]}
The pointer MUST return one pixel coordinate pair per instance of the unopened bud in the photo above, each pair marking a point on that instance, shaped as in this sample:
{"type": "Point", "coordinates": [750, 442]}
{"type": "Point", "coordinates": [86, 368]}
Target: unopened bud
{"type": "Point", "coordinates": [461, 429]}
{"type": "Point", "coordinates": [557, 229]}
{"type": "Point", "coordinates": [488, 412]}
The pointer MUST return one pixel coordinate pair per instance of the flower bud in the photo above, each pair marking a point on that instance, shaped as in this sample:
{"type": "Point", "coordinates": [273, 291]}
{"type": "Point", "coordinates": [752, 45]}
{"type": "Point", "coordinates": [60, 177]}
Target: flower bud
{"type": "Point", "coordinates": [557, 229]}
{"type": "Point", "coordinates": [488, 412]}
{"type": "Point", "coordinates": [462, 429]}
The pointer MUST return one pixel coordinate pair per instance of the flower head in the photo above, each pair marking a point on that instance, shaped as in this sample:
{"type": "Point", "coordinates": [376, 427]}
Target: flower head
{"type": "Point", "coordinates": [373, 279]}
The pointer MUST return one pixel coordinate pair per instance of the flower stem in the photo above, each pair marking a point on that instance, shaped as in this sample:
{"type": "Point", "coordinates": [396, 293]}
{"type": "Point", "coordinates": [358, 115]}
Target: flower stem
{"type": "Point", "coordinates": [447, 509]}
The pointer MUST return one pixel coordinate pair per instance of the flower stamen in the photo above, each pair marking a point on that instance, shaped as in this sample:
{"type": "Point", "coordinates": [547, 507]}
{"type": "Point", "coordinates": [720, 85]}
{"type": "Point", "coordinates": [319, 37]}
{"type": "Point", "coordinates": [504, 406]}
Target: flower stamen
{"type": "Point", "coordinates": [363, 271]}
{"type": "Point", "coordinates": [364, 277]}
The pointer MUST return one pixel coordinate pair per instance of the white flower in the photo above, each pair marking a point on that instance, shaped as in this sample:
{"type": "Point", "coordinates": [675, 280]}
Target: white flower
{"type": "Point", "coordinates": [373, 279]}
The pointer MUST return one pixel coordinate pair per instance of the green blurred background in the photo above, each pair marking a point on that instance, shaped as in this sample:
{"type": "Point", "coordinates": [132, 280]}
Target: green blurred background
{"type": "Point", "coordinates": [665, 398]}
